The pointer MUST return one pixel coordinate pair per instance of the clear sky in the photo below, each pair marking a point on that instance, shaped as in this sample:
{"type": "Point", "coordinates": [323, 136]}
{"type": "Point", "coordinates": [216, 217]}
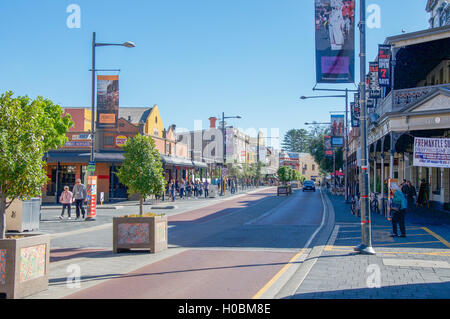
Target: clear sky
{"type": "Point", "coordinates": [194, 58]}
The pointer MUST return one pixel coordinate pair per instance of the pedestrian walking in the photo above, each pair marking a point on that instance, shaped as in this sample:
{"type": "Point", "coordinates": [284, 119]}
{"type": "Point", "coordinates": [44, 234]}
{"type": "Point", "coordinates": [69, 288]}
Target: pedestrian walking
{"type": "Point", "coordinates": [206, 187]}
{"type": "Point", "coordinates": [80, 195]}
{"type": "Point", "coordinates": [172, 190]}
{"type": "Point", "coordinates": [66, 199]}
{"type": "Point", "coordinates": [182, 186]}
{"type": "Point", "coordinates": [398, 208]}
{"type": "Point", "coordinates": [412, 194]}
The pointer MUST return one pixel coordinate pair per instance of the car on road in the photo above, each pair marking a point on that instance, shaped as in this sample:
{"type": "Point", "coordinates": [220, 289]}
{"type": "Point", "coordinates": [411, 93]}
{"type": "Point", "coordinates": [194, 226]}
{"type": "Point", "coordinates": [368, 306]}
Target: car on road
{"type": "Point", "coordinates": [309, 185]}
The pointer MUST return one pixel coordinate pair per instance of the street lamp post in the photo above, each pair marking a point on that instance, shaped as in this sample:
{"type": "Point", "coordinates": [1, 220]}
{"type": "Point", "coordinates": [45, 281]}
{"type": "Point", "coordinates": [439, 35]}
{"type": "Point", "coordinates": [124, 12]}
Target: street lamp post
{"type": "Point", "coordinates": [127, 44]}
{"type": "Point", "coordinates": [346, 127]}
{"type": "Point", "coordinates": [222, 191]}
{"type": "Point", "coordinates": [366, 245]}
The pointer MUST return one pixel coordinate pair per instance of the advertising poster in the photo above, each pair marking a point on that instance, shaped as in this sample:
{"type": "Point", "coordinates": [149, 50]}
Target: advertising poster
{"type": "Point", "coordinates": [337, 125]}
{"type": "Point", "coordinates": [356, 113]}
{"type": "Point", "coordinates": [335, 41]}
{"type": "Point", "coordinates": [374, 87]}
{"type": "Point", "coordinates": [432, 152]}
{"type": "Point", "coordinates": [107, 100]}
{"type": "Point", "coordinates": [92, 192]}
{"type": "Point", "coordinates": [328, 147]}
{"type": "Point", "coordinates": [384, 65]}
{"type": "Point", "coordinates": [229, 142]}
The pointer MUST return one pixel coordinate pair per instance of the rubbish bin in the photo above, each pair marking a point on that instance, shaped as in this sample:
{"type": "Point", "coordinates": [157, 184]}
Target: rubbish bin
{"type": "Point", "coordinates": [23, 215]}
{"type": "Point", "coordinates": [212, 191]}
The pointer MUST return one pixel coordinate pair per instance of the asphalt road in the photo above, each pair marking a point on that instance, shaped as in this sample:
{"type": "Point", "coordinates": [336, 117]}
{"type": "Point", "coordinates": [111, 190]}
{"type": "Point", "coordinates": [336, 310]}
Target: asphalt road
{"type": "Point", "coordinates": [233, 249]}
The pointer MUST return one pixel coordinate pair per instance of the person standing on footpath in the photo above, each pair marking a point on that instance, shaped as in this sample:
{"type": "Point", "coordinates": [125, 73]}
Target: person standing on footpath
{"type": "Point", "coordinates": [206, 187]}
{"type": "Point", "coordinates": [412, 194]}
{"type": "Point", "coordinates": [398, 210]}
{"type": "Point", "coordinates": [80, 195]}
{"type": "Point", "coordinates": [66, 199]}
{"type": "Point", "coordinates": [172, 190]}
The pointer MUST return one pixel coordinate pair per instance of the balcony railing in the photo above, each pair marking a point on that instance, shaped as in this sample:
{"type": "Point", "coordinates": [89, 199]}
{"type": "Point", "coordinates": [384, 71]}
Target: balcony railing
{"type": "Point", "coordinates": [398, 99]}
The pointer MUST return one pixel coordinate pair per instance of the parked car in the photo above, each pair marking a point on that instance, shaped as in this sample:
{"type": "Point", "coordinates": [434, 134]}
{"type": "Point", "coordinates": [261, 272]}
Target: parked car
{"type": "Point", "coordinates": [309, 185]}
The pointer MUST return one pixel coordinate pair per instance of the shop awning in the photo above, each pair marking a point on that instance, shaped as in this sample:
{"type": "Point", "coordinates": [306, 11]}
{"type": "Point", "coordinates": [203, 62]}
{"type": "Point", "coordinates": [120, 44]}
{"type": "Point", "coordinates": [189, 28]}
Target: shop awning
{"type": "Point", "coordinates": [176, 161]}
{"type": "Point", "coordinates": [199, 164]}
{"type": "Point", "coordinates": [83, 157]}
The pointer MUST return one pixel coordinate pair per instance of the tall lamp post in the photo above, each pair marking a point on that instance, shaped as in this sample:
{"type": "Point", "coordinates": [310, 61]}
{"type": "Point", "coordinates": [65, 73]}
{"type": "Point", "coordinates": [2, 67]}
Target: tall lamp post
{"type": "Point", "coordinates": [346, 130]}
{"type": "Point", "coordinates": [222, 191]}
{"type": "Point", "coordinates": [366, 243]}
{"type": "Point", "coordinates": [127, 44]}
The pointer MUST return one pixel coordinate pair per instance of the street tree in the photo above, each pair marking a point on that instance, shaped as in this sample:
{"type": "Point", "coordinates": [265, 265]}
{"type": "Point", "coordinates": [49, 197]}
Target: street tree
{"type": "Point", "coordinates": [28, 129]}
{"type": "Point", "coordinates": [142, 170]}
{"type": "Point", "coordinates": [296, 140]}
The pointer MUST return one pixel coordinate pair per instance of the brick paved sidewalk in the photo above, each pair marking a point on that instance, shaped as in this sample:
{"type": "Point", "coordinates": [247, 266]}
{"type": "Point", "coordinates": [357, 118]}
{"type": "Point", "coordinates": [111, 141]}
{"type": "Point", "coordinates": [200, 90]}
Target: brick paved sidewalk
{"type": "Point", "coordinates": [417, 266]}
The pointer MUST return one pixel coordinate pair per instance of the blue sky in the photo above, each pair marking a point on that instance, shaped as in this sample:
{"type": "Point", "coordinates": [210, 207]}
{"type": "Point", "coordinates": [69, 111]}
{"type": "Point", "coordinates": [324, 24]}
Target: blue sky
{"type": "Point", "coordinates": [194, 58]}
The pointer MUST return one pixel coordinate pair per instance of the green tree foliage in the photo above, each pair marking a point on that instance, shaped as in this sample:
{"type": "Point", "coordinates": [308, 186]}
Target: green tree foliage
{"type": "Point", "coordinates": [316, 148]}
{"type": "Point", "coordinates": [28, 129]}
{"type": "Point", "coordinates": [142, 170]}
{"type": "Point", "coordinates": [296, 140]}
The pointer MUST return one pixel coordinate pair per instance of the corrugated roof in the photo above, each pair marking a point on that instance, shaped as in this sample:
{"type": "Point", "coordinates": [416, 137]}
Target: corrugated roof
{"type": "Point", "coordinates": [135, 114]}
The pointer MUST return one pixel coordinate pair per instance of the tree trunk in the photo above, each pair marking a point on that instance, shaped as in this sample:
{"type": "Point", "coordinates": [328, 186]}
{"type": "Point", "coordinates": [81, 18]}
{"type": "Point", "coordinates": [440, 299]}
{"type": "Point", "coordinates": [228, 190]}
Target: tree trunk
{"type": "Point", "coordinates": [2, 215]}
{"type": "Point", "coordinates": [141, 204]}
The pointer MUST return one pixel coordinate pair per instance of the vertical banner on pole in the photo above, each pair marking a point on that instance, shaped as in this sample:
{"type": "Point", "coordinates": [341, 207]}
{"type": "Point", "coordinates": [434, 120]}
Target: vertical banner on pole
{"type": "Point", "coordinates": [107, 100]}
{"type": "Point", "coordinates": [335, 41]}
{"type": "Point", "coordinates": [356, 113]}
{"type": "Point", "coordinates": [92, 191]}
{"type": "Point", "coordinates": [384, 65]}
{"type": "Point", "coordinates": [337, 130]}
{"type": "Point", "coordinates": [328, 147]}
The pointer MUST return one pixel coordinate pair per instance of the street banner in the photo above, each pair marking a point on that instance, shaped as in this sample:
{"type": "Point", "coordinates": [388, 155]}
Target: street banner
{"type": "Point", "coordinates": [328, 147]}
{"type": "Point", "coordinates": [92, 192]}
{"type": "Point", "coordinates": [356, 113]}
{"type": "Point", "coordinates": [384, 65]}
{"type": "Point", "coordinates": [335, 41]}
{"type": "Point", "coordinates": [229, 142]}
{"type": "Point", "coordinates": [337, 125]}
{"type": "Point", "coordinates": [432, 152]}
{"type": "Point", "coordinates": [374, 87]}
{"type": "Point", "coordinates": [107, 100]}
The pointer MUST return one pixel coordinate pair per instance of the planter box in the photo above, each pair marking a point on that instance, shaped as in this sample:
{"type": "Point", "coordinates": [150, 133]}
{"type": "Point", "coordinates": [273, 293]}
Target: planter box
{"type": "Point", "coordinates": [24, 265]}
{"type": "Point", "coordinates": [140, 233]}
{"type": "Point", "coordinates": [284, 190]}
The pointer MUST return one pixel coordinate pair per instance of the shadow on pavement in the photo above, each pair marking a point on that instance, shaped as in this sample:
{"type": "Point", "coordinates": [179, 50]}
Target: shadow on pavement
{"type": "Point", "coordinates": [411, 291]}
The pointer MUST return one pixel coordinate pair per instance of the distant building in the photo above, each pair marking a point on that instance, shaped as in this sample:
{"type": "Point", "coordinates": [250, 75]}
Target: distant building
{"type": "Point", "coordinates": [439, 11]}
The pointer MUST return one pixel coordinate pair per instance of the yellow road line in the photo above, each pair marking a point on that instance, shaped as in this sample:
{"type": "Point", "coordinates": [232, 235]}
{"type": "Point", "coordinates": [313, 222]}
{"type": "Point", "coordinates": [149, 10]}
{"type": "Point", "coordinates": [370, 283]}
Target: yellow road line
{"type": "Point", "coordinates": [278, 275]}
{"type": "Point", "coordinates": [347, 249]}
{"type": "Point", "coordinates": [414, 243]}
{"type": "Point", "coordinates": [442, 240]}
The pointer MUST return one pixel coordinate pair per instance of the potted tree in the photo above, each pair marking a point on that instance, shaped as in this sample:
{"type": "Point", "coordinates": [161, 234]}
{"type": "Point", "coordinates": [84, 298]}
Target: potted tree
{"type": "Point", "coordinates": [142, 173]}
{"type": "Point", "coordinates": [284, 175]}
{"type": "Point", "coordinates": [28, 129]}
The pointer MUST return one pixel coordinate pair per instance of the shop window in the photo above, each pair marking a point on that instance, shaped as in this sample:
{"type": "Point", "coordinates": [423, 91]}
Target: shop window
{"type": "Point", "coordinates": [108, 140]}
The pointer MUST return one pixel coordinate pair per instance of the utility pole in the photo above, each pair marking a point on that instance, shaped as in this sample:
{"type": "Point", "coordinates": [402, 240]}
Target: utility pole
{"type": "Point", "coordinates": [366, 245]}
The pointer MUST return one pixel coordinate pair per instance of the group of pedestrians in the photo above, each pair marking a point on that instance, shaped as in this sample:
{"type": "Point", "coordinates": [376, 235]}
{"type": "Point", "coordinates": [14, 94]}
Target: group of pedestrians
{"type": "Point", "coordinates": [77, 196]}
{"type": "Point", "coordinates": [187, 189]}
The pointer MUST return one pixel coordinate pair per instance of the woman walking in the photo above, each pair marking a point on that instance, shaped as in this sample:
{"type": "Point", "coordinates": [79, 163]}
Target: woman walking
{"type": "Point", "coordinates": [66, 199]}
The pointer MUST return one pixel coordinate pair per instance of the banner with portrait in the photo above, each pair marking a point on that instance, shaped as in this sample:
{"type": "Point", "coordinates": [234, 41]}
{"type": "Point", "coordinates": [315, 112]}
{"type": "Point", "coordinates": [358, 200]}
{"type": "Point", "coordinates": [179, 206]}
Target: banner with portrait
{"type": "Point", "coordinates": [107, 100]}
{"type": "Point", "coordinates": [328, 147]}
{"type": "Point", "coordinates": [335, 41]}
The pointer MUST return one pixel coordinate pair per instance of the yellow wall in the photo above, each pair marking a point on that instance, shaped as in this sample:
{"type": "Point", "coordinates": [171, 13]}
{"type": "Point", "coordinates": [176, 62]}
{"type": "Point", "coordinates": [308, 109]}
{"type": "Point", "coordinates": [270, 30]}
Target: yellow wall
{"type": "Point", "coordinates": [154, 125]}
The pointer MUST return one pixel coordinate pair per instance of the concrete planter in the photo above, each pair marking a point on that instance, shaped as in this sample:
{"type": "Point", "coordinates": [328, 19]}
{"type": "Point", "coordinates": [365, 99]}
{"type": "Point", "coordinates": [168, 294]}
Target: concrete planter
{"type": "Point", "coordinates": [287, 190]}
{"type": "Point", "coordinates": [140, 233]}
{"type": "Point", "coordinates": [24, 265]}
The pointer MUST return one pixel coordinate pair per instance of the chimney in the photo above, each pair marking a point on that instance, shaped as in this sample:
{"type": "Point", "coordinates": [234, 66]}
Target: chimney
{"type": "Point", "coordinates": [212, 122]}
